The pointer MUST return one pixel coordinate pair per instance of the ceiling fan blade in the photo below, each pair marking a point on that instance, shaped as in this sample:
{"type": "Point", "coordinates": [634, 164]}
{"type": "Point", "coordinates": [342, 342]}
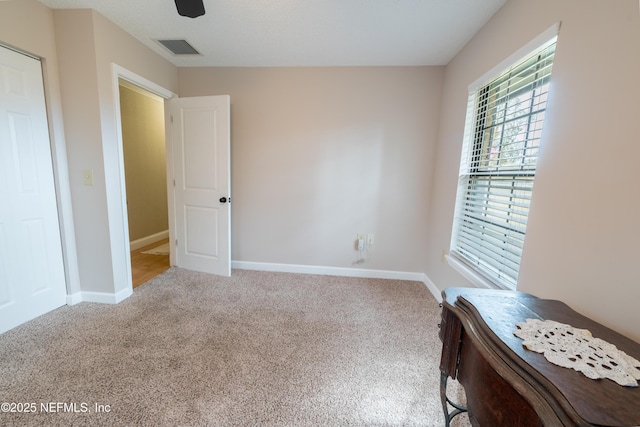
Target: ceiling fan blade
{"type": "Point", "coordinates": [190, 8]}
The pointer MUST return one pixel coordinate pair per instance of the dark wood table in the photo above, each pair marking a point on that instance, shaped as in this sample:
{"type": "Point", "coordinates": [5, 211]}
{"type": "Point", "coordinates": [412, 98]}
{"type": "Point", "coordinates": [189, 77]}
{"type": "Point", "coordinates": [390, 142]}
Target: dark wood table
{"type": "Point", "coordinates": [508, 385]}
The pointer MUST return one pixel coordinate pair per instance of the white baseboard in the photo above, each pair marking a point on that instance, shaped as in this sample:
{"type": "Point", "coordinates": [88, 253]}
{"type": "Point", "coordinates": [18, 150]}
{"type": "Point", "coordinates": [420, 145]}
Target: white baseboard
{"type": "Point", "coordinates": [328, 271]}
{"type": "Point", "coordinates": [74, 299]}
{"type": "Point", "coordinates": [107, 298]}
{"type": "Point", "coordinates": [141, 243]}
{"type": "Point", "coordinates": [437, 293]}
{"type": "Point", "coordinates": [338, 271]}
{"type": "Point", "coordinates": [99, 297]}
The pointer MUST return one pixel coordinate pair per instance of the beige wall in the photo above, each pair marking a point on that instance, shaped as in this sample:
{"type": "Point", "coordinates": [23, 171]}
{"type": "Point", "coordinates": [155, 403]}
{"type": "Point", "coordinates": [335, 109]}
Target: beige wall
{"type": "Point", "coordinates": [583, 232]}
{"type": "Point", "coordinates": [320, 154]}
{"type": "Point", "coordinates": [29, 26]}
{"type": "Point", "coordinates": [144, 162]}
{"type": "Point", "coordinates": [88, 46]}
{"type": "Point", "coordinates": [74, 37]}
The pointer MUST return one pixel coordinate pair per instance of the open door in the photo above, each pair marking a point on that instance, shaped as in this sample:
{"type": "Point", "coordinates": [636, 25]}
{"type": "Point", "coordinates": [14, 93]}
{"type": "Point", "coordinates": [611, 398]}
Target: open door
{"type": "Point", "coordinates": [200, 142]}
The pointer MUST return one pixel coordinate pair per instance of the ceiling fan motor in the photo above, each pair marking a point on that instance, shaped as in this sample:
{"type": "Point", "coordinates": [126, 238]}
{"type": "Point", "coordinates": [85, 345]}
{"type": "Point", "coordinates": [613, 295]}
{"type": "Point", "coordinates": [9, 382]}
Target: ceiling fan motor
{"type": "Point", "coordinates": [190, 8]}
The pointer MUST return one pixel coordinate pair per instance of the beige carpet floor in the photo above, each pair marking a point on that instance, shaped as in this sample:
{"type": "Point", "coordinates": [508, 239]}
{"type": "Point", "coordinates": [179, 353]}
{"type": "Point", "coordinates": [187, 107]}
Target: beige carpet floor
{"type": "Point", "coordinates": [256, 349]}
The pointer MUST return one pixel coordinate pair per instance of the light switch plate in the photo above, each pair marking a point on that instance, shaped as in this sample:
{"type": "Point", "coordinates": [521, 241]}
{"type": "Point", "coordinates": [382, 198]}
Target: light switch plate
{"type": "Point", "coordinates": [87, 177]}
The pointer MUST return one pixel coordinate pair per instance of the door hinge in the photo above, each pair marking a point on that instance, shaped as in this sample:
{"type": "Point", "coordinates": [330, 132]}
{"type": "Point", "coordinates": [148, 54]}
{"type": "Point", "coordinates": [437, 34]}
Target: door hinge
{"type": "Point", "coordinates": [176, 243]}
{"type": "Point", "coordinates": [172, 118]}
{"type": "Point", "coordinates": [174, 182]}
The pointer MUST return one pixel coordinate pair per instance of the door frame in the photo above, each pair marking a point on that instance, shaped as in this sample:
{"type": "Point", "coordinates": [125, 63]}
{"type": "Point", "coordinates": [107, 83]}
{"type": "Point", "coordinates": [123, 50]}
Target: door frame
{"type": "Point", "coordinates": [118, 73]}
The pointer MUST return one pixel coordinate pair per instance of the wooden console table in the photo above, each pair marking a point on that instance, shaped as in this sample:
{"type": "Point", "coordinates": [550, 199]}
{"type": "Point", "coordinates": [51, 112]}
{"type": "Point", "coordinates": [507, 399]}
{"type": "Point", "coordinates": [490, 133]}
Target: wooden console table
{"type": "Point", "coordinates": [508, 385]}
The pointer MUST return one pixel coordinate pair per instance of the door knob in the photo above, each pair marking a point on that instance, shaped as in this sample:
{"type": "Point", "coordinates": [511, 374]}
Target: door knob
{"type": "Point", "coordinates": [223, 200]}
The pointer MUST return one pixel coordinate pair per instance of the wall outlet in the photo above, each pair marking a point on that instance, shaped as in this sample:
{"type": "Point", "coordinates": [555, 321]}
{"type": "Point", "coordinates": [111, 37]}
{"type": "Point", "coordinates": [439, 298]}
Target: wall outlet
{"type": "Point", "coordinates": [370, 239]}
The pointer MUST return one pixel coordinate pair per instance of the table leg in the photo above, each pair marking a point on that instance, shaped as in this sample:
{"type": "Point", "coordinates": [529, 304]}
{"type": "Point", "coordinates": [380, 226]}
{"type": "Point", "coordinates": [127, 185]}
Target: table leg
{"type": "Point", "coordinates": [458, 409]}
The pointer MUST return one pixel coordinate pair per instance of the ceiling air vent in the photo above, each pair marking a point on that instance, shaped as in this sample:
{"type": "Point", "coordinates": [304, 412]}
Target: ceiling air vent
{"type": "Point", "coordinates": [179, 47]}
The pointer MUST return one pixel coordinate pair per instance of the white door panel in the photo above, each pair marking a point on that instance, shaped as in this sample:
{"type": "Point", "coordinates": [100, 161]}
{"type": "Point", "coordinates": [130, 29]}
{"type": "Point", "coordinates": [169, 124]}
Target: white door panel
{"type": "Point", "coordinates": [200, 136]}
{"type": "Point", "coordinates": [32, 278]}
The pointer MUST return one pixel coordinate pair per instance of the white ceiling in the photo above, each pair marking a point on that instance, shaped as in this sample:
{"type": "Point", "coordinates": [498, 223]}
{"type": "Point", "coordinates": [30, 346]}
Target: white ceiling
{"type": "Point", "coordinates": [303, 32]}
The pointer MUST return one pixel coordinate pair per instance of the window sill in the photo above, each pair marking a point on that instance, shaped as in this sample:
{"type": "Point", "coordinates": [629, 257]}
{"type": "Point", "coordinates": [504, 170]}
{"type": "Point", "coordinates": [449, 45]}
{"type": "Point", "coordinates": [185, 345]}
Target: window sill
{"type": "Point", "coordinates": [471, 275]}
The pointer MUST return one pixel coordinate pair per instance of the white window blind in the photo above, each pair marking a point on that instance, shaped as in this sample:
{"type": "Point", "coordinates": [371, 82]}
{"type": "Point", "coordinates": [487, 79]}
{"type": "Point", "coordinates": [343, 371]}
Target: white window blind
{"type": "Point", "coordinates": [498, 166]}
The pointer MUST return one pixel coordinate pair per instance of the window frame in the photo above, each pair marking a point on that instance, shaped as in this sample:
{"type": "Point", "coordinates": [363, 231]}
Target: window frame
{"type": "Point", "coordinates": [470, 170]}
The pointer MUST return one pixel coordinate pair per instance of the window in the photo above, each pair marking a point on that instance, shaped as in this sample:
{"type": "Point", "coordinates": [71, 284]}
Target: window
{"type": "Point", "coordinates": [498, 166]}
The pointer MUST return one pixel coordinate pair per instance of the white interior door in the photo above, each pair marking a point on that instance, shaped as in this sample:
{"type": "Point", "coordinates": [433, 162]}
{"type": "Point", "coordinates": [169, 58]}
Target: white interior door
{"type": "Point", "coordinates": [32, 280]}
{"type": "Point", "coordinates": [200, 136]}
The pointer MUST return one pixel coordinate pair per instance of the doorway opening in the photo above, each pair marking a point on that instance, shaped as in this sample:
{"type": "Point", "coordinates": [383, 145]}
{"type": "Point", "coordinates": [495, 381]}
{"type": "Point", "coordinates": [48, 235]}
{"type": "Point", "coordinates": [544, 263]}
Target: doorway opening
{"type": "Point", "coordinates": [197, 163]}
{"type": "Point", "coordinates": [145, 169]}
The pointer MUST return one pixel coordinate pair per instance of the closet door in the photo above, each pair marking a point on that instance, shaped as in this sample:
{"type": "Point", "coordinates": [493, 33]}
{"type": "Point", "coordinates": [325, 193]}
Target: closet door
{"type": "Point", "coordinates": [32, 280]}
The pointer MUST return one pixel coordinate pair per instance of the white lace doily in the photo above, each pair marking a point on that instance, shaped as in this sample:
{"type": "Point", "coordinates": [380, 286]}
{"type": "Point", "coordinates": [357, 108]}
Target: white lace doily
{"type": "Point", "coordinates": [569, 347]}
